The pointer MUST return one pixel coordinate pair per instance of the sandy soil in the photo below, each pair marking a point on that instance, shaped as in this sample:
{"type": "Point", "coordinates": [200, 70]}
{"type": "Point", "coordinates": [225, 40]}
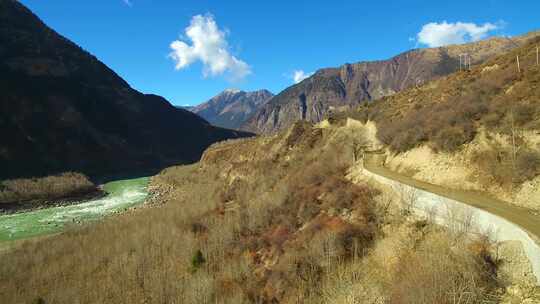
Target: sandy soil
{"type": "Point", "coordinates": [457, 171]}
{"type": "Point", "coordinates": [481, 200]}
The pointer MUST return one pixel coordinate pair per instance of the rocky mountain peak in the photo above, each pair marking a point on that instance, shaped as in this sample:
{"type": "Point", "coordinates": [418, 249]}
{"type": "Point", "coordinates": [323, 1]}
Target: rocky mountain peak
{"type": "Point", "coordinates": [352, 84]}
{"type": "Point", "coordinates": [231, 108]}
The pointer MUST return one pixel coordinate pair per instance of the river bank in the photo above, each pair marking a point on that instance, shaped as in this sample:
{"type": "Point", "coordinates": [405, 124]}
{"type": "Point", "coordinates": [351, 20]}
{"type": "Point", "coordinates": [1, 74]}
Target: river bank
{"type": "Point", "coordinates": [121, 195]}
{"type": "Point", "coordinates": [37, 204]}
{"type": "Point", "coordinates": [29, 193]}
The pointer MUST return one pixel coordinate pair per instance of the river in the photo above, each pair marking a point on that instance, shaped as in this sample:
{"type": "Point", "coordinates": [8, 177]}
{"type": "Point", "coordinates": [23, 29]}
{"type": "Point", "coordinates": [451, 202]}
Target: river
{"type": "Point", "coordinates": [121, 194]}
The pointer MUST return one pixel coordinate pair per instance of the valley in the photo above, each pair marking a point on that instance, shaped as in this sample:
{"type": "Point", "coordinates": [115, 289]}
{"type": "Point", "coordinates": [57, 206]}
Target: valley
{"type": "Point", "coordinates": [408, 180]}
{"type": "Point", "coordinates": [268, 210]}
{"type": "Point", "coordinates": [63, 110]}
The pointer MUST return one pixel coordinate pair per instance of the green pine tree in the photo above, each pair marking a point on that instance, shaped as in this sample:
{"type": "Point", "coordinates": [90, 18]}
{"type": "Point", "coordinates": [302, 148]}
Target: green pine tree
{"type": "Point", "coordinates": [198, 260]}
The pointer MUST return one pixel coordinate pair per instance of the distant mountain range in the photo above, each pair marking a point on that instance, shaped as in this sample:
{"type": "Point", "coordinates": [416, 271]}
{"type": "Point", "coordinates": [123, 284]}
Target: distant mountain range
{"type": "Point", "coordinates": [351, 84]}
{"type": "Point", "coordinates": [62, 109]}
{"type": "Point", "coordinates": [231, 108]}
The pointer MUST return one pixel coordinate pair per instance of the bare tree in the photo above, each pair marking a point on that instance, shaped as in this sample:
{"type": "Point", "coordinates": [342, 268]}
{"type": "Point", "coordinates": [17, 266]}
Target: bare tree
{"type": "Point", "coordinates": [431, 213]}
{"type": "Point", "coordinates": [408, 196]}
{"type": "Point", "coordinates": [515, 148]}
{"type": "Point", "coordinates": [537, 56]}
{"type": "Point", "coordinates": [460, 220]}
{"type": "Point", "coordinates": [384, 201]}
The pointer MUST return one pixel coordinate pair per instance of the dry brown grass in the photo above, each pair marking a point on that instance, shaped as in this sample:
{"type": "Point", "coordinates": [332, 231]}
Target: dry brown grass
{"type": "Point", "coordinates": [417, 264]}
{"type": "Point", "coordinates": [440, 271]}
{"type": "Point", "coordinates": [499, 166]}
{"type": "Point", "coordinates": [64, 185]}
{"type": "Point", "coordinates": [122, 260]}
{"type": "Point", "coordinates": [147, 256]}
{"type": "Point", "coordinates": [447, 113]}
{"type": "Point", "coordinates": [277, 227]}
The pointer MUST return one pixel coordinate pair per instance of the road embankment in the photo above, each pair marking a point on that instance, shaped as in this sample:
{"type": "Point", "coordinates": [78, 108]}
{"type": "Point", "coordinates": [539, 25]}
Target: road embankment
{"type": "Point", "coordinates": [501, 220]}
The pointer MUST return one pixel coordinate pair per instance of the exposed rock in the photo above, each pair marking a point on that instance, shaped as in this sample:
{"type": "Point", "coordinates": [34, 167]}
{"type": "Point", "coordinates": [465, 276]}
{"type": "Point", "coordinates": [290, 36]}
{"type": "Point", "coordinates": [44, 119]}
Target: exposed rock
{"type": "Point", "coordinates": [352, 84]}
{"type": "Point", "coordinates": [232, 108]}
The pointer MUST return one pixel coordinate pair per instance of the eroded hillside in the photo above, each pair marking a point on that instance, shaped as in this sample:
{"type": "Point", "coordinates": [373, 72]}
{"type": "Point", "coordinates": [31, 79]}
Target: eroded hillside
{"type": "Point", "coordinates": [265, 220]}
{"type": "Point", "coordinates": [477, 129]}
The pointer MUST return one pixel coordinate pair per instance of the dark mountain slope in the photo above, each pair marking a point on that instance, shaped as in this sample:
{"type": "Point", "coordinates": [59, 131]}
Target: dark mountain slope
{"type": "Point", "coordinates": [232, 108]}
{"type": "Point", "coordinates": [62, 109]}
{"type": "Point", "coordinates": [352, 84]}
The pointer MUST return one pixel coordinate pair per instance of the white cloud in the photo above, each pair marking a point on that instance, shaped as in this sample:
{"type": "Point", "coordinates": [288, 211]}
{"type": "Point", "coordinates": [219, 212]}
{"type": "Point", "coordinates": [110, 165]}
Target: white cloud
{"type": "Point", "coordinates": [128, 3]}
{"type": "Point", "coordinates": [440, 34]}
{"type": "Point", "coordinates": [299, 75]}
{"type": "Point", "coordinates": [210, 46]}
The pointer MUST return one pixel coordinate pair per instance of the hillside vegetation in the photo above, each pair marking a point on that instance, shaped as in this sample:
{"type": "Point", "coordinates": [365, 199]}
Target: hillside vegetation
{"type": "Point", "coordinates": [490, 116]}
{"type": "Point", "coordinates": [287, 218]}
{"type": "Point", "coordinates": [264, 220]}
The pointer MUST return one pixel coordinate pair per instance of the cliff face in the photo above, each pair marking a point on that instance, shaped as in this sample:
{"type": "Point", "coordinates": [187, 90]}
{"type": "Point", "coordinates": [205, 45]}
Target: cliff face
{"type": "Point", "coordinates": [232, 108]}
{"type": "Point", "coordinates": [352, 84]}
{"type": "Point", "coordinates": [62, 109]}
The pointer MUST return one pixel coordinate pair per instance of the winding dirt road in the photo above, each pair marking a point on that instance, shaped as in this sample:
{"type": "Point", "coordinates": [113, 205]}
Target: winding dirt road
{"type": "Point", "coordinates": [522, 217]}
{"type": "Point", "coordinates": [501, 220]}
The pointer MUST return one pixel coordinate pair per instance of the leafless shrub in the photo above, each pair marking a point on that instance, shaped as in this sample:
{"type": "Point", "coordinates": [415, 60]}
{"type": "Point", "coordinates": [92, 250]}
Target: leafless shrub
{"type": "Point", "coordinates": [498, 165]}
{"type": "Point", "coordinates": [408, 197]}
{"type": "Point", "coordinates": [524, 113]}
{"type": "Point", "coordinates": [291, 229]}
{"type": "Point", "coordinates": [460, 220]}
{"type": "Point", "coordinates": [450, 139]}
{"type": "Point", "coordinates": [527, 165]}
{"type": "Point", "coordinates": [432, 213]}
{"type": "Point", "coordinates": [436, 273]}
{"type": "Point", "coordinates": [384, 204]}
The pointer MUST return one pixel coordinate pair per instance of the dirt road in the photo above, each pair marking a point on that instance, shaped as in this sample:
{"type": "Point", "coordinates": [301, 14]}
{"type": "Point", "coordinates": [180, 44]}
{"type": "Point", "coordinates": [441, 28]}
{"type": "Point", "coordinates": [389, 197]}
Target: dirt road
{"type": "Point", "coordinates": [522, 217]}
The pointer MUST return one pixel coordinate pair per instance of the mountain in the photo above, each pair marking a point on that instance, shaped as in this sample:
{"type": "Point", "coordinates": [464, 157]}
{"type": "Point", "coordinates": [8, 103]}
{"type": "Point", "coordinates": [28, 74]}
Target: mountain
{"type": "Point", "coordinates": [352, 84]}
{"type": "Point", "coordinates": [232, 108]}
{"type": "Point", "coordinates": [471, 130]}
{"type": "Point", "coordinates": [62, 109]}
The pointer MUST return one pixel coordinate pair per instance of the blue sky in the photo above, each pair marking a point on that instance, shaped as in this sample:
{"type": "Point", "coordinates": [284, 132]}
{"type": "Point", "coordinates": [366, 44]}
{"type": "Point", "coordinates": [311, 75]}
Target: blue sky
{"type": "Point", "coordinates": [252, 45]}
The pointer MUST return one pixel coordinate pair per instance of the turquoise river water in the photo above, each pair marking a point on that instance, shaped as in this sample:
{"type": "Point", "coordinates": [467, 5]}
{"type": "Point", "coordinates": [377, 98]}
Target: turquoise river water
{"type": "Point", "coordinates": [121, 195]}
